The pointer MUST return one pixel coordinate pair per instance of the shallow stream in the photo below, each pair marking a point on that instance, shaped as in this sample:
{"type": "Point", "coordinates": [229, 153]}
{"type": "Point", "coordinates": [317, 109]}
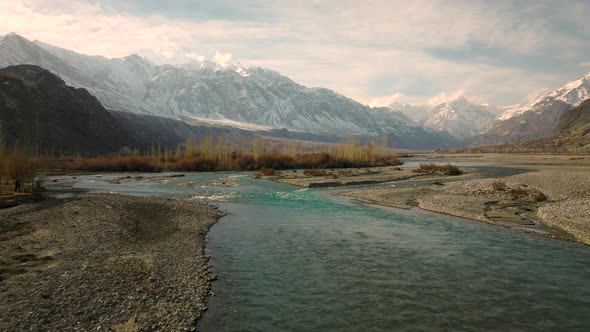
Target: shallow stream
{"type": "Point", "coordinates": [293, 259]}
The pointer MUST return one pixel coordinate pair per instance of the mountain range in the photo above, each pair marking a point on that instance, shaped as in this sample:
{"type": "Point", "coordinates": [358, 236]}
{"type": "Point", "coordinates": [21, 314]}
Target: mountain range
{"type": "Point", "coordinates": [229, 97]}
{"type": "Point", "coordinates": [460, 118]}
{"type": "Point", "coordinates": [39, 111]}
{"type": "Point", "coordinates": [572, 135]}
{"type": "Point", "coordinates": [536, 119]}
{"type": "Point", "coordinates": [480, 124]}
{"type": "Point", "coordinates": [212, 94]}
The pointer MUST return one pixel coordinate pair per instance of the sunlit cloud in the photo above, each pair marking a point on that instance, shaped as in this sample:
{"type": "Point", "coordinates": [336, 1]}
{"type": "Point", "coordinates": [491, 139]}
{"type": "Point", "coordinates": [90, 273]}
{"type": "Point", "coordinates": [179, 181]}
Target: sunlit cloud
{"type": "Point", "coordinates": [195, 56]}
{"type": "Point", "coordinates": [342, 45]}
{"type": "Point", "coordinates": [222, 59]}
{"type": "Point", "coordinates": [533, 95]}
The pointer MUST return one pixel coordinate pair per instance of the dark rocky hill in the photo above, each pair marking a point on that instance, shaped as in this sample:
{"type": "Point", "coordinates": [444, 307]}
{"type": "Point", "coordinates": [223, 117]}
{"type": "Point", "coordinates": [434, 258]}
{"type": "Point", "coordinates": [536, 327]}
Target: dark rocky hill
{"type": "Point", "coordinates": [572, 135]}
{"type": "Point", "coordinates": [576, 122]}
{"type": "Point", "coordinates": [38, 110]}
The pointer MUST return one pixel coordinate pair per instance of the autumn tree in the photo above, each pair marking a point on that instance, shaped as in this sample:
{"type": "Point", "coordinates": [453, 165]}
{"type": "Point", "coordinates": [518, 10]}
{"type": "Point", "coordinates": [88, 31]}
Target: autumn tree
{"type": "Point", "coordinates": [20, 170]}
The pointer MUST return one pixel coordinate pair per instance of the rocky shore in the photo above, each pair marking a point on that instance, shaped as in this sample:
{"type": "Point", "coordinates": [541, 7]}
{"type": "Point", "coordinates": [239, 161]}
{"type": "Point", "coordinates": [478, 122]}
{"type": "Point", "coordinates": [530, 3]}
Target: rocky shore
{"type": "Point", "coordinates": [104, 263]}
{"type": "Point", "coordinates": [551, 202]}
{"type": "Point", "coordinates": [348, 177]}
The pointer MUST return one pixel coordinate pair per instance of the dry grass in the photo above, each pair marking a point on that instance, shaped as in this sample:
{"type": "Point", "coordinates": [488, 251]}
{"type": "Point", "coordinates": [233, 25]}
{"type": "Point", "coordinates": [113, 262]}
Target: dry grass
{"type": "Point", "coordinates": [499, 186]}
{"type": "Point", "coordinates": [447, 169]}
{"type": "Point", "coordinates": [267, 171]}
{"type": "Point", "coordinates": [231, 161]}
{"type": "Point", "coordinates": [314, 172]}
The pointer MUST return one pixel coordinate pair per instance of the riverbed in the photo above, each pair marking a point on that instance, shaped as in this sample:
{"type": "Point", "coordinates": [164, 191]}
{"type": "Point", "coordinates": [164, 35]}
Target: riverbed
{"type": "Point", "coordinates": [291, 259]}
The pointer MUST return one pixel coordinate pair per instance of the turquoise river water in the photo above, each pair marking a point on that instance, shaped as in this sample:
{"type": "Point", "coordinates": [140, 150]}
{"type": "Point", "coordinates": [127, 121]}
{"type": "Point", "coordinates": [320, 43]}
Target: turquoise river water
{"type": "Point", "coordinates": [293, 259]}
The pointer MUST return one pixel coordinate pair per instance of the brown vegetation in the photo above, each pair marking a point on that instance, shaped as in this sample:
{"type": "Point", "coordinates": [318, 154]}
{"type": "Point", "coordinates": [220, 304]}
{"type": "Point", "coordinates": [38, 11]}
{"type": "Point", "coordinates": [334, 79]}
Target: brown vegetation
{"type": "Point", "coordinates": [314, 172]}
{"type": "Point", "coordinates": [267, 171]}
{"type": "Point", "coordinates": [447, 169]}
{"type": "Point", "coordinates": [499, 185]}
{"type": "Point", "coordinates": [220, 155]}
{"type": "Point", "coordinates": [519, 193]}
{"type": "Point", "coordinates": [17, 170]}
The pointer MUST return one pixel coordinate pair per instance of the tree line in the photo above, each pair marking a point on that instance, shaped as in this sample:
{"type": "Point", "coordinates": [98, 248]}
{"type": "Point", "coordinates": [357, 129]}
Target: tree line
{"type": "Point", "coordinates": [18, 170]}
{"type": "Point", "coordinates": [220, 153]}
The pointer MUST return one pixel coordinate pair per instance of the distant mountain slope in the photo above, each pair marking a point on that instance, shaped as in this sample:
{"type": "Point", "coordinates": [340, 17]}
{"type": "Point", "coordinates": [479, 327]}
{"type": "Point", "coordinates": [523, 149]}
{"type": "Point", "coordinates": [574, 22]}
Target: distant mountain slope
{"type": "Point", "coordinates": [39, 110]}
{"type": "Point", "coordinates": [529, 125]}
{"type": "Point", "coordinates": [576, 121]}
{"type": "Point", "coordinates": [538, 118]}
{"type": "Point", "coordinates": [416, 113]}
{"type": "Point", "coordinates": [460, 118]}
{"type": "Point", "coordinates": [572, 135]}
{"type": "Point", "coordinates": [232, 94]}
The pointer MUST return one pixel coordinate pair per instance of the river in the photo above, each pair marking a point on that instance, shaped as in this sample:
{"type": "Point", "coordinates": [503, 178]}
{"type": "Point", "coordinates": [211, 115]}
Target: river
{"type": "Point", "coordinates": [292, 259]}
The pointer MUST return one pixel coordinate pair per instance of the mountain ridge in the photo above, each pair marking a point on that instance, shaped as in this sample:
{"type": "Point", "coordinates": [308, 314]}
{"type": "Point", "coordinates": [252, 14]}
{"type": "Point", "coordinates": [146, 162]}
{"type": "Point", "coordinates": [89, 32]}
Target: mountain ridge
{"type": "Point", "coordinates": [252, 96]}
{"type": "Point", "coordinates": [459, 117]}
{"type": "Point", "coordinates": [538, 118]}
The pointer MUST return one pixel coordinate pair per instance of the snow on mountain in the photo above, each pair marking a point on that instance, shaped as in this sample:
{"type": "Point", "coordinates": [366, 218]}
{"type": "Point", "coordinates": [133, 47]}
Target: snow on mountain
{"type": "Point", "coordinates": [538, 118]}
{"type": "Point", "coordinates": [573, 93]}
{"type": "Point", "coordinates": [460, 118]}
{"type": "Point", "coordinates": [217, 91]}
{"type": "Point", "coordinates": [417, 113]}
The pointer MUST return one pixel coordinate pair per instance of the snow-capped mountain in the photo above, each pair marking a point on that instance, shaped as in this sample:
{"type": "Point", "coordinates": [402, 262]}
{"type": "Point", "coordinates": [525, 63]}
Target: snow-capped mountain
{"type": "Point", "coordinates": [538, 118]}
{"type": "Point", "coordinates": [417, 113]}
{"type": "Point", "coordinates": [573, 94]}
{"type": "Point", "coordinates": [223, 93]}
{"type": "Point", "coordinates": [460, 118]}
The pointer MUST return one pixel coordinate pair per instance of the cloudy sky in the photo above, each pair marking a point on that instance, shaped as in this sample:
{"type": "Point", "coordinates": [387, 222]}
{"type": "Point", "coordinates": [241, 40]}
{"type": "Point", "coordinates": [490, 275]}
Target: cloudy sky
{"type": "Point", "coordinates": [498, 52]}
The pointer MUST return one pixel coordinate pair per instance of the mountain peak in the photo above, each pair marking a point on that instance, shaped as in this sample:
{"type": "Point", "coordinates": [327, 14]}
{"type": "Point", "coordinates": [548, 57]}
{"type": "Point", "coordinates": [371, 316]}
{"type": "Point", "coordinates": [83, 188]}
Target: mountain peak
{"type": "Point", "coordinates": [13, 36]}
{"type": "Point", "coordinates": [133, 56]}
{"type": "Point", "coordinates": [136, 58]}
{"type": "Point", "coordinates": [30, 73]}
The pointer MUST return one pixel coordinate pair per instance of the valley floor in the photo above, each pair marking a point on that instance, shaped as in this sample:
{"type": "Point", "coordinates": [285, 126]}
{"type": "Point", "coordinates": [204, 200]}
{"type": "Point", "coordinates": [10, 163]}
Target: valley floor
{"type": "Point", "coordinates": [104, 262]}
{"type": "Point", "coordinates": [512, 201]}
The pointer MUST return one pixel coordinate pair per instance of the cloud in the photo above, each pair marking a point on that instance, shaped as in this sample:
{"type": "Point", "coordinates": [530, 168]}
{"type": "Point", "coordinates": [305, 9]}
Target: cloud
{"type": "Point", "coordinates": [222, 59]}
{"type": "Point", "coordinates": [434, 100]}
{"type": "Point", "coordinates": [445, 97]}
{"type": "Point", "coordinates": [531, 96]}
{"type": "Point", "coordinates": [195, 56]}
{"type": "Point", "coordinates": [585, 64]}
{"type": "Point", "coordinates": [168, 54]}
{"type": "Point", "coordinates": [387, 100]}
{"type": "Point", "coordinates": [342, 45]}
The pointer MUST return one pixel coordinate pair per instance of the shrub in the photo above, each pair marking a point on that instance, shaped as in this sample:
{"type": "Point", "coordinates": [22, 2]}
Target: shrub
{"type": "Point", "coordinates": [275, 160]}
{"type": "Point", "coordinates": [246, 162]}
{"type": "Point", "coordinates": [453, 170]}
{"type": "Point", "coordinates": [538, 196]}
{"type": "Point", "coordinates": [314, 172]}
{"type": "Point", "coordinates": [447, 169]}
{"type": "Point", "coordinates": [315, 160]}
{"type": "Point", "coordinates": [388, 160]}
{"type": "Point", "coordinates": [518, 193]}
{"type": "Point", "coordinates": [499, 186]}
{"type": "Point", "coordinates": [267, 171]}
{"type": "Point", "coordinates": [116, 164]}
{"type": "Point", "coordinates": [194, 164]}
{"type": "Point", "coordinates": [20, 170]}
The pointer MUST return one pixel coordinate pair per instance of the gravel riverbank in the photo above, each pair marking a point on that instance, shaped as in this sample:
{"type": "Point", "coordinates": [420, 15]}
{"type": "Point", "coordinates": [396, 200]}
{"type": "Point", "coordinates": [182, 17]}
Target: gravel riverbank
{"type": "Point", "coordinates": [104, 263]}
{"type": "Point", "coordinates": [564, 214]}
